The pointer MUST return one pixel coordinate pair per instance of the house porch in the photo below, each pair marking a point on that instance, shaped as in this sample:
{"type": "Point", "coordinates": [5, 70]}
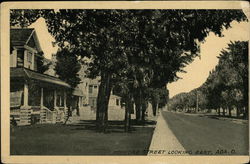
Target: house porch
{"type": "Point", "coordinates": [37, 101]}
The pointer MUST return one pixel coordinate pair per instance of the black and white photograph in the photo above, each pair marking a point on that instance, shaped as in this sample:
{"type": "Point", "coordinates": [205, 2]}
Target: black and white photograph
{"type": "Point", "coordinates": [121, 81]}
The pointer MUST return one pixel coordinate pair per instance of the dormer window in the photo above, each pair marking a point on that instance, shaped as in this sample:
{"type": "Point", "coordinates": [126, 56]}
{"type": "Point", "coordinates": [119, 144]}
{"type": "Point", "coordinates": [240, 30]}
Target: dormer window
{"type": "Point", "coordinates": [29, 60]}
{"type": "Point", "coordinates": [29, 57]}
{"type": "Point", "coordinates": [24, 46]}
{"type": "Point", "coordinates": [20, 57]}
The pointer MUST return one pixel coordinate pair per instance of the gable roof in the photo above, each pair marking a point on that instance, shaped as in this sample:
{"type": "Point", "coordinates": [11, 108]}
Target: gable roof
{"type": "Point", "coordinates": [21, 37]}
{"type": "Point", "coordinates": [95, 81]}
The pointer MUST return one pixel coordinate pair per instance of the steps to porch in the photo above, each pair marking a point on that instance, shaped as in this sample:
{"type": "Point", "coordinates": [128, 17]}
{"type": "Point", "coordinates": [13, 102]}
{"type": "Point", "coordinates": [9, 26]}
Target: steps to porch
{"type": "Point", "coordinates": [31, 115]}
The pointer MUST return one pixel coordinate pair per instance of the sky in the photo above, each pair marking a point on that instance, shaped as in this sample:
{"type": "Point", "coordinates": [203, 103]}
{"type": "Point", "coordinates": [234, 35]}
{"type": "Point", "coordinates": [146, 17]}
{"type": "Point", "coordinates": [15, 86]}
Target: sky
{"type": "Point", "coordinates": [196, 72]}
{"type": "Point", "coordinates": [44, 37]}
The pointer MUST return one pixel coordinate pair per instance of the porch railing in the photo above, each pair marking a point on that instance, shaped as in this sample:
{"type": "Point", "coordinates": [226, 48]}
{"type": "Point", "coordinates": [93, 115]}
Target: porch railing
{"type": "Point", "coordinates": [47, 116]}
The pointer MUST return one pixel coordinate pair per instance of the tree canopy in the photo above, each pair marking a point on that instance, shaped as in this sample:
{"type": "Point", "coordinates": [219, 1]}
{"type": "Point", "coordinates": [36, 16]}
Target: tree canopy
{"type": "Point", "coordinates": [147, 47]}
{"type": "Point", "coordinates": [226, 86]}
{"type": "Point", "coordinates": [67, 67]}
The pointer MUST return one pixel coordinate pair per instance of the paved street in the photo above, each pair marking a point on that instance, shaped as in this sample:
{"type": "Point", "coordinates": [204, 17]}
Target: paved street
{"type": "Point", "coordinates": [206, 136]}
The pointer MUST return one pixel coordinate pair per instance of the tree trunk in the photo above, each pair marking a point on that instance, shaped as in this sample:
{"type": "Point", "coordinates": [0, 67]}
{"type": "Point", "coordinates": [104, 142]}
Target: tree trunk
{"type": "Point", "coordinates": [132, 111]}
{"type": "Point", "coordinates": [77, 108]}
{"type": "Point", "coordinates": [223, 110]}
{"type": "Point", "coordinates": [237, 112]}
{"type": "Point", "coordinates": [138, 112]}
{"type": "Point", "coordinates": [144, 108]}
{"type": "Point", "coordinates": [137, 108]}
{"type": "Point", "coordinates": [229, 112]}
{"type": "Point", "coordinates": [157, 108]}
{"type": "Point", "coordinates": [103, 101]}
{"type": "Point", "coordinates": [69, 106]}
{"type": "Point", "coordinates": [245, 96]}
{"type": "Point", "coordinates": [218, 111]}
{"type": "Point", "coordinates": [100, 102]}
{"type": "Point", "coordinates": [154, 107]}
{"type": "Point", "coordinates": [245, 114]}
{"type": "Point", "coordinates": [128, 109]}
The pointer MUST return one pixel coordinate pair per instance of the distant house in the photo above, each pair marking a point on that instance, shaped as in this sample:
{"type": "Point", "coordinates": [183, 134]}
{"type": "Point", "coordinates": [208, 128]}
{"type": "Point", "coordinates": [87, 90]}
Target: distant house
{"type": "Point", "coordinates": [93, 92]}
{"type": "Point", "coordinates": [86, 92]}
{"type": "Point", "coordinates": [84, 86]}
{"type": "Point", "coordinates": [79, 94]}
{"type": "Point", "coordinates": [52, 63]}
{"type": "Point", "coordinates": [114, 102]}
{"type": "Point", "coordinates": [93, 87]}
{"type": "Point", "coordinates": [34, 97]}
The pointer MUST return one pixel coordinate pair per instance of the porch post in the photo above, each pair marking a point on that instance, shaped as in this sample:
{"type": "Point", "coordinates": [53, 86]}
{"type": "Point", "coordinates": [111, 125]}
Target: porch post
{"type": "Point", "coordinates": [41, 100]}
{"type": "Point", "coordinates": [79, 101]}
{"type": "Point", "coordinates": [25, 95]}
{"type": "Point", "coordinates": [60, 100]}
{"type": "Point", "coordinates": [64, 99]}
{"type": "Point", "coordinates": [55, 97]}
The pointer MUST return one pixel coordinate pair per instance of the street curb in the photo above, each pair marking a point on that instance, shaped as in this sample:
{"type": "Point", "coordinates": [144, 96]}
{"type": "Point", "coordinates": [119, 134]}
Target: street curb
{"type": "Point", "coordinates": [237, 121]}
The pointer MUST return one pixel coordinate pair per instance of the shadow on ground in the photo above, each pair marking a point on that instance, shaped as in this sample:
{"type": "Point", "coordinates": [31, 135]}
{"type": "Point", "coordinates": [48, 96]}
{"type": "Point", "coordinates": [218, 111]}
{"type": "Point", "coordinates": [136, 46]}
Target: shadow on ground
{"type": "Point", "coordinates": [113, 126]}
{"type": "Point", "coordinates": [81, 139]}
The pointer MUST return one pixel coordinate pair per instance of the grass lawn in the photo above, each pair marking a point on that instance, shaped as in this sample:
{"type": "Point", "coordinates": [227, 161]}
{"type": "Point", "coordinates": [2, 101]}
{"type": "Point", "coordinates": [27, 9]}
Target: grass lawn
{"type": "Point", "coordinates": [80, 139]}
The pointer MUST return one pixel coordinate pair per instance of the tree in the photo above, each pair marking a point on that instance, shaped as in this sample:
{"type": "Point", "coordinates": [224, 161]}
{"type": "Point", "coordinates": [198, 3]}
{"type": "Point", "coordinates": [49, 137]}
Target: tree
{"type": "Point", "coordinates": [124, 88]}
{"type": "Point", "coordinates": [212, 89]}
{"type": "Point", "coordinates": [154, 43]}
{"type": "Point", "coordinates": [67, 67]}
{"type": "Point", "coordinates": [158, 98]}
{"type": "Point", "coordinates": [188, 101]}
{"type": "Point", "coordinates": [41, 65]}
{"type": "Point", "coordinates": [226, 86]}
{"type": "Point", "coordinates": [233, 70]}
{"type": "Point", "coordinates": [168, 41]}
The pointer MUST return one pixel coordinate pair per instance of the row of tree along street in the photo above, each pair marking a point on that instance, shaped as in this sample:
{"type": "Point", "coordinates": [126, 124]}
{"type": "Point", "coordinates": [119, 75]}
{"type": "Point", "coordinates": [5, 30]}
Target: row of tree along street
{"type": "Point", "coordinates": [226, 87]}
{"type": "Point", "coordinates": [135, 52]}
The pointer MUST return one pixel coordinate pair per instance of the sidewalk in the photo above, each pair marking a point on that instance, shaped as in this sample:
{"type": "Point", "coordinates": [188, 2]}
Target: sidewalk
{"type": "Point", "coordinates": [164, 141]}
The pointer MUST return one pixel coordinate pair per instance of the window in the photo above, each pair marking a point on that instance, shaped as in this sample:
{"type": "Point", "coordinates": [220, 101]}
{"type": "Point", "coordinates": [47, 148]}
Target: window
{"type": "Point", "coordinates": [20, 58]}
{"type": "Point", "coordinates": [13, 58]}
{"type": "Point", "coordinates": [90, 88]}
{"type": "Point", "coordinates": [16, 95]}
{"type": "Point", "coordinates": [95, 86]}
{"type": "Point", "coordinates": [117, 102]}
{"type": "Point", "coordinates": [29, 57]}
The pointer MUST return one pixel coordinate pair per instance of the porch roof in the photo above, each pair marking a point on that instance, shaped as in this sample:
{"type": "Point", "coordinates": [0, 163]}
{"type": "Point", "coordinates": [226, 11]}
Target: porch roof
{"type": "Point", "coordinates": [115, 96]}
{"type": "Point", "coordinates": [78, 92]}
{"type": "Point", "coordinates": [28, 74]}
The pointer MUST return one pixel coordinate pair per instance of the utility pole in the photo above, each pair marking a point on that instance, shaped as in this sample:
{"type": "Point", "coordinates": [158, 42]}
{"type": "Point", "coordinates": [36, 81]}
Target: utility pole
{"type": "Point", "coordinates": [197, 103]}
